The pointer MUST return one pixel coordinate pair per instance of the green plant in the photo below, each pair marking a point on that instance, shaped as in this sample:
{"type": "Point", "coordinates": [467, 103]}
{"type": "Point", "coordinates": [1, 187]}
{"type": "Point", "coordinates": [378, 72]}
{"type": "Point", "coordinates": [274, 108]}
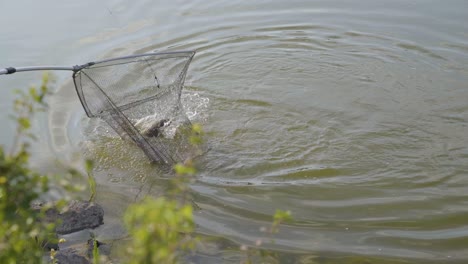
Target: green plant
{"type": "Point", "coordinates": [96, 256]}
{"type": "Point", "coordinates": [91, 180]}
{"type": "Point", "coordinates": [280, 217]}
{"type": "Point", "coordinates": [95, 250]}
{"type": "Point", "coordinates": [22, 234]}
{"type": "Point", "coordinates": [53, 253]}
{"type": "Point", "coordinates": [161, 228]}
{"type": "Point", "coordinates": [266, 256]}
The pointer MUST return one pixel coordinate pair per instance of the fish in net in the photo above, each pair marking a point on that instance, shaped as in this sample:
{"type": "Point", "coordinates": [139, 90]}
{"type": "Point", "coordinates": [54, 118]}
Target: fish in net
{"type": "Point", "coordinates": [139, 97]}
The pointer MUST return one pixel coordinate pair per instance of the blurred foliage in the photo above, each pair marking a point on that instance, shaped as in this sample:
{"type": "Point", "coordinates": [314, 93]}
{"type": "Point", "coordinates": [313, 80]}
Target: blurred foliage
{"type": "Point", "coordinates": [161, 229]}
{"type": "Point", "coordinates": [22, 236]}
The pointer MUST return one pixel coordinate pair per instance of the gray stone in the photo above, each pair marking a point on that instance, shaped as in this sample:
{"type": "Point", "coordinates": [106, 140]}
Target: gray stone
{"type": "Point", "coordinates": [70, 256]}
{"type": "Point", "coordinates": [79, 215]}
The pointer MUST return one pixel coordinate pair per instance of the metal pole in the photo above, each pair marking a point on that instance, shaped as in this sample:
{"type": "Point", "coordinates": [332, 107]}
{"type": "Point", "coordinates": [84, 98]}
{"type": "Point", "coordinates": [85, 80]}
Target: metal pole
{"type": "Point", "coordinates": [12, 70]}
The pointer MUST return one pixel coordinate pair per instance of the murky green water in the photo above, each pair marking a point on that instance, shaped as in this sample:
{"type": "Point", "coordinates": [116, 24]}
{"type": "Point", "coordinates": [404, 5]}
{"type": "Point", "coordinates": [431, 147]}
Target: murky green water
{"type": "Point", "coordinates": [351, 114]}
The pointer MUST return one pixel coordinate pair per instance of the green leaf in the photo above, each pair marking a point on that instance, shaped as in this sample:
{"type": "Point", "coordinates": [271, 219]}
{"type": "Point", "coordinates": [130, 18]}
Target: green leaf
{"type": "Point", "coordinates": [89, 164]}
{"type": "Point", "coordinates": [33, 94]}
{"type": "Point", "coordinates": [24, 123]}
{"type": "Point", "coordinates": [197, 128]}
{"type": "Point", "coordinates": [184, 170]}
{"type": "Point", "coordinates": [282, 216]}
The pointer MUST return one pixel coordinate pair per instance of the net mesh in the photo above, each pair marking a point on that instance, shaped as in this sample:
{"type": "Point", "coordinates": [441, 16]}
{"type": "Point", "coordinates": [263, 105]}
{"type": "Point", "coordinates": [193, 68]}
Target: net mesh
{"type": "Point", "coordinates": [139, 97]}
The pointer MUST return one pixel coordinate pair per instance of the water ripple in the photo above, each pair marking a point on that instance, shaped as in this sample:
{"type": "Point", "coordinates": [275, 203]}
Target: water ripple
{"type": "Point", "coordinates": [351, 115]}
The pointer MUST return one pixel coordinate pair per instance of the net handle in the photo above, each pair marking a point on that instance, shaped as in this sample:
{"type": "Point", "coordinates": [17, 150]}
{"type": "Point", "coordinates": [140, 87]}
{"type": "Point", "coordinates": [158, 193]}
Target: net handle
{"type": "Point", "coordinates": [11, 70]}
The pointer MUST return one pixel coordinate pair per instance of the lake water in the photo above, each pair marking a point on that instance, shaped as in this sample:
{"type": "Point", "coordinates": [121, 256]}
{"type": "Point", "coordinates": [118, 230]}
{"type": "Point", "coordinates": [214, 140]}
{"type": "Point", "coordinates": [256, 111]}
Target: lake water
{"type": "Point", "coordinates": [353, 115]}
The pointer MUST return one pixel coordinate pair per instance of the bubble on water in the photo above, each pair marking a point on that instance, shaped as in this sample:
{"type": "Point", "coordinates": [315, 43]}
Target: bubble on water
{"type": "Point", "coordinates": [195, 105]}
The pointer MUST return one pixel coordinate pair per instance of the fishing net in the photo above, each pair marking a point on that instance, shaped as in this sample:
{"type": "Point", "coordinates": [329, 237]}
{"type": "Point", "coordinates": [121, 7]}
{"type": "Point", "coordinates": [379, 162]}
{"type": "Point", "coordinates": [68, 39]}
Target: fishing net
{"type": "Point", "coordinates": [139, 97]}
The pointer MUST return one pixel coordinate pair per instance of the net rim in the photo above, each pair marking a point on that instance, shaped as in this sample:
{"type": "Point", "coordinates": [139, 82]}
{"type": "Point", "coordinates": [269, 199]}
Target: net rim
{"type": "Point", "coordinates": [169, 54]}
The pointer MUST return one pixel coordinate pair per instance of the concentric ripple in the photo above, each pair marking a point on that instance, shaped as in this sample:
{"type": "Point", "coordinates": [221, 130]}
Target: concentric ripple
{"type": "Point", "coordinates": [351, 115]}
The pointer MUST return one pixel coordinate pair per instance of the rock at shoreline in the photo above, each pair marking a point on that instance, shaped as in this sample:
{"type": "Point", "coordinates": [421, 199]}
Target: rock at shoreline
{"type": "Point", "coordinates": [79, 215]}
{"type": "Point", "coordinates": [70, 256]}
